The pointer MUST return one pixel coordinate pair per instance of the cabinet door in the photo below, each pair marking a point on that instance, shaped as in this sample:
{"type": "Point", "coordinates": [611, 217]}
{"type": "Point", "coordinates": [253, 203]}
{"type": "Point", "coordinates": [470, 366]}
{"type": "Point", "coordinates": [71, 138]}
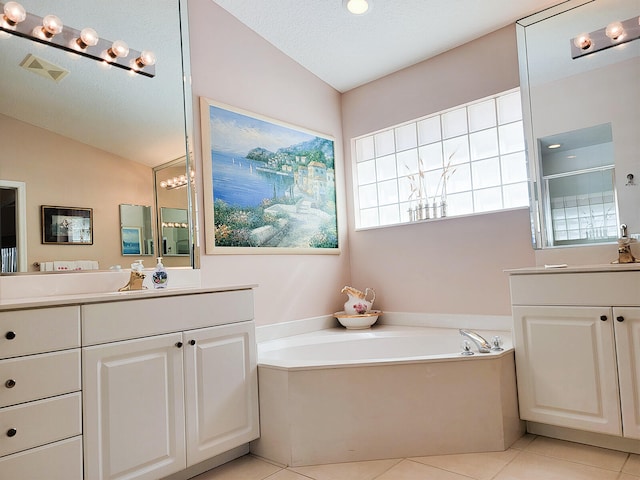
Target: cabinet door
{"type": "Point", "coordinates": [134, 408]}
{"type": "Point", "coordinates": [627, 328]}
{"type": "Point", "coordinates": [566, 367]}
{"type": "Point", "coordinates": [221, 389]}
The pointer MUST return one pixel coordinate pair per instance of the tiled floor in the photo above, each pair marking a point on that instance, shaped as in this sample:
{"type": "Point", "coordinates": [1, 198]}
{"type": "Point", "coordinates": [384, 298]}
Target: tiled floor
{"type": "Point", "coordinates": [530, 458]}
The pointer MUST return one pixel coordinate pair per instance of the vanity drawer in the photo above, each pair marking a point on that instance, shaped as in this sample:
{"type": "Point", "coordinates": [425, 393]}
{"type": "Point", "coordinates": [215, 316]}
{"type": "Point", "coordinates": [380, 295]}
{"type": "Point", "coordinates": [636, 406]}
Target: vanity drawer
{"type": "Point", "coordinates": [33, 377]}
{"type": "Point", "coordinates": [23, 332]}
{"type": "Point", "coordinates": [56, 461]}
{"type": "Point", "coordinates": [110, 322]}
{"type": "Point", "coordinates": [33, 424]}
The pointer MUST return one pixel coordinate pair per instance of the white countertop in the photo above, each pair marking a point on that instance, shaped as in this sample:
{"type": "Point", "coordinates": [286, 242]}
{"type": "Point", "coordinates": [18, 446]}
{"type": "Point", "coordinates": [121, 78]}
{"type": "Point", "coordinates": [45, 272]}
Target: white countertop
{"type": "Point", "coordinates": [102, 297]}
{"type": "Point", "coordinates": [563, 268]}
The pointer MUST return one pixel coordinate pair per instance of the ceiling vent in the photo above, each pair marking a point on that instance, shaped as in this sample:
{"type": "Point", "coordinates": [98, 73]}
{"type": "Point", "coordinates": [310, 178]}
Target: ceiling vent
{"type": "Point", "coordinates": [43, 68]}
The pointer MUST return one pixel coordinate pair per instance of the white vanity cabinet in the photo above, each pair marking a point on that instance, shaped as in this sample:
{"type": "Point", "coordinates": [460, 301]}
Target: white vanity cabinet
{"type": "Point", "coordinates": [40, 398]}
{"type": "Point", "coordinates": [577, 341]}
{"type": "Point", "coordinates": [160, 403]}
{"type": "Point", "coordinates": [627, 332]}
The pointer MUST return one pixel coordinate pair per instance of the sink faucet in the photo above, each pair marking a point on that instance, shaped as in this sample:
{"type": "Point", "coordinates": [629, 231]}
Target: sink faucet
{"type": "Point", "coordinates": [481, 343]}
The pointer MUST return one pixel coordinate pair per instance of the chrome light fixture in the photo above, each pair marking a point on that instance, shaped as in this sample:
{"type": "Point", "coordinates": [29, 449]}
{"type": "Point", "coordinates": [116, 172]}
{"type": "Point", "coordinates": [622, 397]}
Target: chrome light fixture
{"type": "Point", "coordinates": [50, 30]}
{"type": "Point", "coordinates": [616, 33]}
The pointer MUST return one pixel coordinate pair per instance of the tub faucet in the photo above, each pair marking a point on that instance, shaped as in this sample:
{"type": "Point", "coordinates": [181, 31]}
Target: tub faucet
{"type": "Point", "coordinates": [481, 343]}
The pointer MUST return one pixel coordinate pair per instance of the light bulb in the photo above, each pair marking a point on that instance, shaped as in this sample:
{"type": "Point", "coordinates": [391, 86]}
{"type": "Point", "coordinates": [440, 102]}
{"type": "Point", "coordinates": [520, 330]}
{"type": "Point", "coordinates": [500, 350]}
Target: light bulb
{"type": "Point", "coordinates": [163, 184]}
{"type": "Point", "coordinates": [146, 59]}
{"type": "Point", "coordinates": [118, 49]}
{"type": "Point", "coordinates": [357, 7]}
{"type": "Point", "coordinates": [583, 41]}
{"type": "Point", "coordinates": [88, 38]}
{"type": "Point", "coordinates": [51, 25]}
{"type": "Point", "coordinates": [614, 30]}
{"type": "Point", "coordinates": [14, 13]}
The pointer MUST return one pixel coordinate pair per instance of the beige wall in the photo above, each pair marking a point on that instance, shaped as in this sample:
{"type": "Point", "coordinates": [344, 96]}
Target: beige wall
{"type": "Point", "coordinates": [233, 65]}
{"type": "Point", "coordinates": [446, 266]}
{"type": "Point", "coordinates": [62, 172]}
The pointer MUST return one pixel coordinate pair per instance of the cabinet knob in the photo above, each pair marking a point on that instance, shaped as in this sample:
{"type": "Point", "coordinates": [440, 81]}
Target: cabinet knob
{"type": "Point", "coordinates": [620, 318]}
{"type": "Point", "coordinates": [10, 335]}
{"type": "Point", "coordinates": [10, 383]}
{"type": "Point", "coordinates": [12, 432]}
{"type": "Point", "coordinates": [603, 318]}
{"type": "Point", "coordinates": [192, 342]}
{"type": "Point", "coordinates": [179, 344]}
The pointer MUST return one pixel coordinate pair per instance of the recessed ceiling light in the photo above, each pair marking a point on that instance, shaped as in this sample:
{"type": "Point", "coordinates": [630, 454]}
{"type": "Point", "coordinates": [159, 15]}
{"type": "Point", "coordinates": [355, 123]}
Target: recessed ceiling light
{"type": "Point", "coordinates": [357, 7]}
{"type": "Point", "coordinates": [554, 145]}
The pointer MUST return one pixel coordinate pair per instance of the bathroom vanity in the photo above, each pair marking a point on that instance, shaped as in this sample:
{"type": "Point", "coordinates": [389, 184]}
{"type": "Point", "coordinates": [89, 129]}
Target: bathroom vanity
{"type": "Point", "coordinates": [577, 341]}
{"type": "Point", "coordinates": [138, 385]}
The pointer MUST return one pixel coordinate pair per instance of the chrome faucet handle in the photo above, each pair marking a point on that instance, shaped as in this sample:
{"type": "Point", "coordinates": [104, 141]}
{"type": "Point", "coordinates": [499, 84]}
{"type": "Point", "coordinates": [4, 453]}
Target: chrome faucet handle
{"type": "Point", "coordinates": [496, 344]}
{"type": "Point", "coordinates": [466, 348]}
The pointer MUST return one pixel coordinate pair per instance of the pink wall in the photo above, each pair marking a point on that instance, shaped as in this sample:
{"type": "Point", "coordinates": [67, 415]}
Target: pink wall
{"type": "Point", "coordinates": [446, 266]}
{"type": "Point", "coordinates": [59, 171]}
{"type": "Point", "coordinates": [450, 266]}
{"type": "Point", "coordinates": [233, 65]}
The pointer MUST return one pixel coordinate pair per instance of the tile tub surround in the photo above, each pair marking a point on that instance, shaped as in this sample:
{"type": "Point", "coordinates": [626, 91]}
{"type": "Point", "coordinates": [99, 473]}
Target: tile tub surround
{"type": "Point", "coordinates": [355, 413]}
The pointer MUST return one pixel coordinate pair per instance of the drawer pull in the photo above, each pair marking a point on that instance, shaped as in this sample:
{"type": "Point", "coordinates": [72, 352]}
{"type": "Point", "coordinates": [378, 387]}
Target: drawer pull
{"type": "Point", "coordinates": [603, 318]}
{"type": "Point", "coordinates": [179, 344]}
{"type": "Point", "coordinates": [620, 318]}
{"type": "Point", "coordinates": [10, 383]}
{"type": "Point", "coordinates": [192, 342]}
{"type": "Point", "coordinates": [12, 432]}
{"type": "Point", "coordinates": [10, 335]}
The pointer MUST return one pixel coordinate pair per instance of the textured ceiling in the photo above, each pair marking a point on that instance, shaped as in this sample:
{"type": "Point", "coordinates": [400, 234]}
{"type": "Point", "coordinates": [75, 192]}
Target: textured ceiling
{"type": "Point", "coordinates": [347, 51]}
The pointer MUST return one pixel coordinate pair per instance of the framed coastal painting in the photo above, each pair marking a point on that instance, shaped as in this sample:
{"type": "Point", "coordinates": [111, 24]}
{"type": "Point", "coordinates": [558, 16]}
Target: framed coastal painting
{"type": "Point", "coordinates": [131, 240]}
{"type": "Point", "coordinates": [67, 225]}
{"type": "Point", "coordinates": [269, 186]}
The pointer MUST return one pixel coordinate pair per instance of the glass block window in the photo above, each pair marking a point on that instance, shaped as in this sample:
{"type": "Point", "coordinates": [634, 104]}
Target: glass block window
{"type": "Point", "coordinates": [469, 159]}
{"type": "Point", "coordinates": [583, 207]}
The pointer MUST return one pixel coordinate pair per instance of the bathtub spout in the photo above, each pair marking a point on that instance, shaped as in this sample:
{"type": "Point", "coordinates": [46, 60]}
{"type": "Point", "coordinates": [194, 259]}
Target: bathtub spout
{"type": "Point", "coordinates": [481, 343]}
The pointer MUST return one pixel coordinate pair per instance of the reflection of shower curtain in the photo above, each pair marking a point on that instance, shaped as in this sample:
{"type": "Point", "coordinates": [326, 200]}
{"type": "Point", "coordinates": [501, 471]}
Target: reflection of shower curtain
{"type": "Point", "coordinates": [9, 257]}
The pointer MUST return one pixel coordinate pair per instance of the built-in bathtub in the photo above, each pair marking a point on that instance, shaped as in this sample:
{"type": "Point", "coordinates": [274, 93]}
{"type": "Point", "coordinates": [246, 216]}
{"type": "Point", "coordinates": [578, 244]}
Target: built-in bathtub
{"type": "Point", "coordinates": [340, 395]}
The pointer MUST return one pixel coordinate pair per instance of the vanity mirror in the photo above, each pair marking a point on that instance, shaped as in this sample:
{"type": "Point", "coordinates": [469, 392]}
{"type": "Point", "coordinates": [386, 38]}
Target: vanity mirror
{"type": "Point", "coordinates": [136, 230]}
{"type": "Point", "coordinates": [174, 243]}
{"type": "Point", "coordinates": [581, 121]}
{"type": "Point", "coordinates": [80, 133]}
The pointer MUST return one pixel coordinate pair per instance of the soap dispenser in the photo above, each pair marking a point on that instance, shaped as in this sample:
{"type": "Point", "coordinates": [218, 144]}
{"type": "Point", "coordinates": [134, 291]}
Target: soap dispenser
{"type": "Point", "coordinates": [159, 277]}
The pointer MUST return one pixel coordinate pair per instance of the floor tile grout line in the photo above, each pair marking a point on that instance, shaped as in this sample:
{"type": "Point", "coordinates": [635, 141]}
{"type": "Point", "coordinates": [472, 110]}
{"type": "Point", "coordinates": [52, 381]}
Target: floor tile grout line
{"type": "Point", "coordinates": [440, 468]}
{"type": "Point", "coordinates": [628, 454]}
{"type": "Point", "coordinates": [399, 460]}
{"type": "Point", "coordinates": [518, 453]}
{"type": "Point", "coordinates": [574, 462]}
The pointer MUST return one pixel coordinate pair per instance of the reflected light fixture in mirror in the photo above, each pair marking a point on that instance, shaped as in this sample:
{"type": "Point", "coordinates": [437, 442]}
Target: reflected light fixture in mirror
{"type": "Point", "coordinates": [357, 7]}
{"type": "Point", "coordinates": [615, 33]}
{"type": "Point", "coordinates": [50, 30]}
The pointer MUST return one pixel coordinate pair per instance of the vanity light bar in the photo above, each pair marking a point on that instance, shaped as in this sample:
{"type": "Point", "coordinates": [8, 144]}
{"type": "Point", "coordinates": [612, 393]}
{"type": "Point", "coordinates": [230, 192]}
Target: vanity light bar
{"type": "Point", "coordinates": [616, 33]}
{"type": "Point", "coordinates": [49, 30]}
{"type": "Point", "coordinates": [176, 182]}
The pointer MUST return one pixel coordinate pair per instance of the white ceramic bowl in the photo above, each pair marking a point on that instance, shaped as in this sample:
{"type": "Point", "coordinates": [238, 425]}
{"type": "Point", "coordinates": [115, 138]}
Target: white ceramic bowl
{"type": "Point", "coordinates": [357, 322]}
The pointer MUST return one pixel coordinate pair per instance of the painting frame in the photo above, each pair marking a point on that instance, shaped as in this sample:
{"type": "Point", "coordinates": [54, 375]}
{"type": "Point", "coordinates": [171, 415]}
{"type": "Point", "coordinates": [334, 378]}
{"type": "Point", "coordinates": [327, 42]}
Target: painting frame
{"type": "Point", "coordinates": [131, 241]}
{"type": "Point", "coordinates": [269, 186]}
{"type": "Point", "coordinates": [66, 225]}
